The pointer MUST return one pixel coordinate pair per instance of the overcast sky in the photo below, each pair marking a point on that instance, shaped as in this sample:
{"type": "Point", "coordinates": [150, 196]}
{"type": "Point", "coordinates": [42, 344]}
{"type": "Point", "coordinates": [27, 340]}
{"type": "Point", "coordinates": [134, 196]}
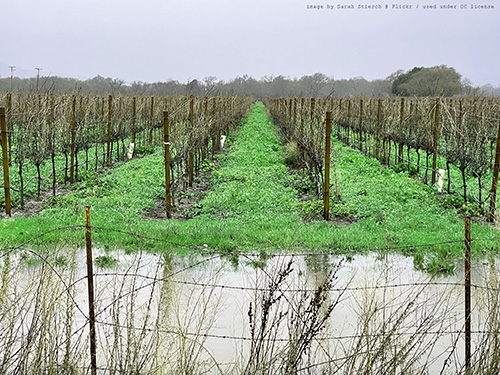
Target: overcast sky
{"type": "Point", "coordinates": [157, 40]}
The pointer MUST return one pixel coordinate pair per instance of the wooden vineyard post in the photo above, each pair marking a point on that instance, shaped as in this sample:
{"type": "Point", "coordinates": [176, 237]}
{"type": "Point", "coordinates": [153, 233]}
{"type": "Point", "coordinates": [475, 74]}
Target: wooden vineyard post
{"type": "Point", "coordinates": [294, 115]}
{"type": "Point", "coordinates": [313, 105]}
{"type": "Point", "coordinates": [302, 105]}
{"type": "Point", "coordinates": [90, 279]}
{"type": "Point", "coordinates": [214, 129]}
{"type": "Point", "coordinates": [467, 297]}
{"type": "Point", "coordinates": [348, 123]}
{"type": "Point", "coordinates": [326, 194]}
{"type": "Point", "coordinates": [151, 125]}
{"type": "Point", "coordinates": [9, 125]}
{"type": "Point", "coordinates": [435, 145]}
{"type": "Point", "coordinates": [5, 161]}
{"type": "Point", "coordinates": [360, 124]}
{"type": "Point", "coordinates": [108, 149]}
{"type": "Point", "coordinates": [339, 111]}
{"type": "Point", "coordinates": [205, 140]}
{"type": "Point", "coordinates": [379, 126]}
{"type": "Point", "coordinates": [166, 142]}
{"type": "Point", "coordinates": [191, 146]}
{"type": "Point", "coordinates": [495, 179]}
{"type": "Point", "coordinates": [134, 118]}
{"type": "Point", "coordinates": [73, 136]}
{"type": "Point", "coordinates": [401, 119]}
{"type": "Point", "coordinates": [131, 147]}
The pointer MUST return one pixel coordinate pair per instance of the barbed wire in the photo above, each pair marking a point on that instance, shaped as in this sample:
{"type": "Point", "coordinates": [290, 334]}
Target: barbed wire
{"type": "Point", "coordinates": [286, 340]}
{"type": "Point", "coordinates": [296, 290]}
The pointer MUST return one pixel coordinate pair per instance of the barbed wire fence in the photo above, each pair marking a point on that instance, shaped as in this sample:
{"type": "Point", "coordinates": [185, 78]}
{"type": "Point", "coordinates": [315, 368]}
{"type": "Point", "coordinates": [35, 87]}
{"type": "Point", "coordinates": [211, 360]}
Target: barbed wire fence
{"type": "Point", "coordinates": [139, 328]}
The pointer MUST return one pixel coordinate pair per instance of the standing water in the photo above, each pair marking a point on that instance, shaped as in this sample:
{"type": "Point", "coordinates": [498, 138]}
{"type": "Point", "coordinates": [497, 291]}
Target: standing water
{"type": "Point", "coordinates": [300, 314]}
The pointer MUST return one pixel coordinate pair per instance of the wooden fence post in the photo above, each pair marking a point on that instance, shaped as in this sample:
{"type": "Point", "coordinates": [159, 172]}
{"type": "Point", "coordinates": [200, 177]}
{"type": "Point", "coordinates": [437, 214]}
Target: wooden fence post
{"type": "Point", "coordinates": [495, 179]}
{"type": "Point", "coordinates": [90, 279]}
{"type": "Point", "coordinates": [5, 161]}
{"type": "Point", "coordinates": [326, 194]}
{"type": "Point", "coordinates": [166, 142]}
{"type": "Point", "coordinates": [467, 296]}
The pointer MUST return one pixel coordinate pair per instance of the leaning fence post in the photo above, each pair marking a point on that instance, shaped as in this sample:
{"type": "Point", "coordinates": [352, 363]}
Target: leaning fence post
{"type": "Point", "coordinates": [467, 297]}
{"type": "Point", "coordinates": [166, 142]}
{"type": "Point", "coordinates": [326, 195]}
{"type": "Point", "coordinates": [90, 279]}
{"type": "Point", "coordinates": [495, 179]}
{"type": "Point", "coordinates": [5, 161]}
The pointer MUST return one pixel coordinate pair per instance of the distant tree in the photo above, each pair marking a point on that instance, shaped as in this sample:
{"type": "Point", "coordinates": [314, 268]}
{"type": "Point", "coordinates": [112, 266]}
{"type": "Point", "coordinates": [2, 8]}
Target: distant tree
{"type": "Point", "coordinates": [434, 81]}
{"type": "Point", "coordinates": [312, 85]}
{"type": "Point", "coordinates": [400, 85]}
{"type": "Point", "coordinates": [490, 90]}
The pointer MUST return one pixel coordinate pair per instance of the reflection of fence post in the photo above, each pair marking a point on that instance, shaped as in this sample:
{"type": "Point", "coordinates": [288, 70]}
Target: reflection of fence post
{"type": "Point", "coordinates": [5, 161]}
{"type": "Point", "coordinates": [326, 195]}
{"type": "Point", "coordinates": [467, 297]}
{"type": "Point", "coordinates": [90, 278]}
{"type": "Point", "coordinates": [495, 179]}
{"type": "Point", "coordinates": [166, 142]}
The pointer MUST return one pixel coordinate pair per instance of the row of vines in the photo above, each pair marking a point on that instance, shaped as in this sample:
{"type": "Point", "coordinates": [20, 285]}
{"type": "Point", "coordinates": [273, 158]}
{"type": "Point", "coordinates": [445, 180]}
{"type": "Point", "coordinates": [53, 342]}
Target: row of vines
{"type": "Point", "coordinates": [51, 138]}
{"type": "Point", "coordinates": [420, 135]}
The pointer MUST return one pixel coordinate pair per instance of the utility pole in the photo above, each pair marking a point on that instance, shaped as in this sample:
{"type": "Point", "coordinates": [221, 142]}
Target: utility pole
{"type": "Point", "coordinates": [12, 69]}
{"type": "Point", "coordinates": [37, 77]}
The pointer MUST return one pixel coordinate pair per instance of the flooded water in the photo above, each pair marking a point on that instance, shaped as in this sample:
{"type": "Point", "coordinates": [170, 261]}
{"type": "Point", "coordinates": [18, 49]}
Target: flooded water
{"type": "Point", "coordinates": [297, 314]}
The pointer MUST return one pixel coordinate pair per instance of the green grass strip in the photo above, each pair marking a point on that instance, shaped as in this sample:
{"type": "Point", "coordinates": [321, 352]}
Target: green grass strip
{"type": "Point", "coordinates": [253, 205]}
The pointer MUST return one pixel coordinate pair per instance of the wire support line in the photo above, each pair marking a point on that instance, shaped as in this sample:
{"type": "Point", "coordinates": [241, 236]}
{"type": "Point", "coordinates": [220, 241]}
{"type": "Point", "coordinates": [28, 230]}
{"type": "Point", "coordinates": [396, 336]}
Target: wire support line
{"type": "Point", "coordinates": [286, 340]}
{"type": "Point", "coordinates": [295, 290]}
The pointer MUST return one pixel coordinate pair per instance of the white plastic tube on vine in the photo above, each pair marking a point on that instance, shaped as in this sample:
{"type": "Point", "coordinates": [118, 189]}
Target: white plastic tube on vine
{"type": "Point", "coordinates": [440, 180]}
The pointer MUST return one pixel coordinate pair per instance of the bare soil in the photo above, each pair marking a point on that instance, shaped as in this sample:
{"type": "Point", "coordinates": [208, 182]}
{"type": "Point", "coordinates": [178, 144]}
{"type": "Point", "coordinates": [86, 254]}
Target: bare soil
{"type": "Point", "coordinates": [33, 206]}
{"type": "Point", "coordinates": [184, 201]}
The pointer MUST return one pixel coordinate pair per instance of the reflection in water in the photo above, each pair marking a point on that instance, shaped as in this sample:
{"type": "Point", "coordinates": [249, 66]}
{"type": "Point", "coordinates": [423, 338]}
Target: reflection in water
{"type": "Point", "coordinates": [293, 314]}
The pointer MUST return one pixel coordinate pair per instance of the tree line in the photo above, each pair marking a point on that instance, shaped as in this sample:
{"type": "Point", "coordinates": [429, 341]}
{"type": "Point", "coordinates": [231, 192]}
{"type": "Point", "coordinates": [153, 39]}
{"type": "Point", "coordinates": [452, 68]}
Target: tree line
{"type": "Point", "coordinates": [419, 81]}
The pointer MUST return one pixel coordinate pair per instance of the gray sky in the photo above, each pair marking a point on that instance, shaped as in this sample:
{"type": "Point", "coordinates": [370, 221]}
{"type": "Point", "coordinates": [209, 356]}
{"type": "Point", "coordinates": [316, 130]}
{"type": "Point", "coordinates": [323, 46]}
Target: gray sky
{"type": "Point", "coordinates": [154, 40]}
